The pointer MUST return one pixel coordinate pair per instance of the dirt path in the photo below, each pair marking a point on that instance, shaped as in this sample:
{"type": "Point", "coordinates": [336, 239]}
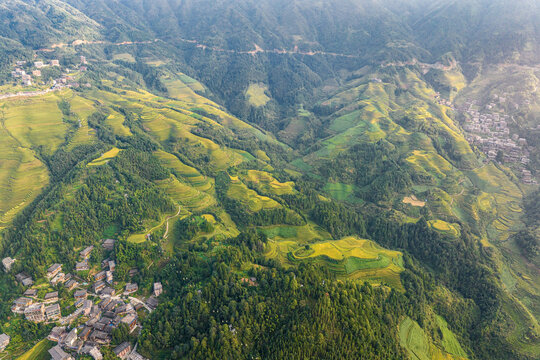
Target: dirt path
{"type": "Point", "coordinates": [165, 221]}
{"type": "Point", "coordinates": [170, 217]}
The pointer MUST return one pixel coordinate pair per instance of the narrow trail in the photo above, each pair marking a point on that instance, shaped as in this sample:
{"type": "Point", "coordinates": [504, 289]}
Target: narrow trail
{"type": "Point", "coordinates": [170, 217]}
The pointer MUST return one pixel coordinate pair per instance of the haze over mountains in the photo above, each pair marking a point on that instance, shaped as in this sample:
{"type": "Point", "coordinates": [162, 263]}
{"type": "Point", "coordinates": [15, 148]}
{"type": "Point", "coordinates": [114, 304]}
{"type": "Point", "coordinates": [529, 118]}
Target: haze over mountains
{"type": "Point", "coordinates": [306, 179]}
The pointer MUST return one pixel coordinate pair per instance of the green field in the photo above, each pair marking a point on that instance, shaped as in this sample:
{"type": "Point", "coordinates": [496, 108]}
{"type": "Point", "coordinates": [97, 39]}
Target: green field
{"type": "Point", "coordinates": [339, 191]}
{"type": "Point", "coordinates": [105, 158]}
{"type": "Point", "coordinates": [256, 96]}
{"type": "Point", "coordinates": [419, 347]}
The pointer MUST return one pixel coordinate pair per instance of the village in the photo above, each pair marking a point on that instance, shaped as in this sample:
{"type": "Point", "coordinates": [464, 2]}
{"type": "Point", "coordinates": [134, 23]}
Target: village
{"type": "Point", "coordinates": [95, 308]}
{"type": "Point", "coordinates": [29, 75]}
{"type": "Point", "coordinates": [489, 131]}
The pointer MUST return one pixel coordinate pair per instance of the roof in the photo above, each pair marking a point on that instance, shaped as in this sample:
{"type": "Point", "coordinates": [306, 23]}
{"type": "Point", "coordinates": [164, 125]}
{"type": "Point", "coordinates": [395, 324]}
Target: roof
{"type": "Point", "coordinates": [51, 295]}
{"type": "Point", "coordinates": [58, 354]}
{"type": "Point", "coordinates": [54, 267]}
{"type": "Point", "coordinates": [131, 286]}
{"type": "Point", "coordinates": [52, 307]}
{"type": "Point", "coordinates": [129, 319]}
{"type": "Point", "coordinates": [4, 338]}
{"type": "Point", "coordinates": [121, 347]}
{"type": "Point", "coordinates": [81, 292]}
{"type": "Point", "coordinates": [34, 307]}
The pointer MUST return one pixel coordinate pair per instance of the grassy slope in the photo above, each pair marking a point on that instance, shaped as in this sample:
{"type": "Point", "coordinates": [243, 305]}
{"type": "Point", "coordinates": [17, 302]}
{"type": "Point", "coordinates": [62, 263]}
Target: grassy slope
{"type": "Point", "coordinates": [419, 346]}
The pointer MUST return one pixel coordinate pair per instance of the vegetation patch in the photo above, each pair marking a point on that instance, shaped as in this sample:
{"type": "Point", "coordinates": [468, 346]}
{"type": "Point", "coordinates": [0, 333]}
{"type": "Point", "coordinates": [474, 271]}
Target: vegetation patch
{"type": "Point", "coordinates": [105, 158]}
{"type": "Point", "coordinates": [256, 95]}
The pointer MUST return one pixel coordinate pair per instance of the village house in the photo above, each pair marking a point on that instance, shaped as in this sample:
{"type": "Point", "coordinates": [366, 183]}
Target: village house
{"type": "Point", "coordinates": [58, 354]}
{"type": "Point", "coordinates": [70, 338]}
{"type": "Point", "coordinates": [21, 304]}
{"type": "Point", "coordinates": [53, 312]}
{"type": "Point", "coordinates": [7, 263]}
{"type": "Point", "coordinates": [24, 279]}
{"type": "Point", "coordinates": [35, 313]}
{"type": "Point", "coordinates": [27, 281]}
{"type": "Point", "coordinates": [112, 265]}
{"type": "Point", "coordinates": [158, 289]}
{"type": "Point", "coordinates": [109, 276]}
{"type": "Point", "coordinates": [82, 266]}
{"type": "Point", "coordinates": [71, 284]}
{"type": "Point", "coordinates": [152, 302]}
{"type": "Point", "coordinates": [51, 297]}
{"type": "Point", "coordinates": [100, 337]}
{"type": "Point", "coordinates": [100, 276]}
{"type": "Point", "coordinates": [99, 286]}
{"type": "Point", "coordinates": [131, 321]}
{"type": "Point", "coordinates": [136, 356]}
{"type": "Point", "coordinates": [38, 64]}
{"type": "Point", "coordinates": [108, 291]}
{"type": "Point", "coordinates": [57, 333]}
{"type": "Point", "coordinates": [93, 351]}
{"type": "Point", "coordinates": [123, 350]}
{"type": "Point", "coordinates": [36, 73]}
{"type": "Point", "coordinates": [80, 294]}
{"type": "Point", "coordinates": [4, 341]}
{"type": "Point", "coordinates": [85, 254]}
{"type": "Point", "coordinates": [53, 270]}
{"type": "Point", "coordinates": [55, 63]}
{"type": "Point", "coordinates": [85, 333]}
{"type": "Point", "coordinates": [131, 288]}
{"type": "Point", "coordinates": [108, 244]}
{"type": "Point", "coordinates": [31, 293]}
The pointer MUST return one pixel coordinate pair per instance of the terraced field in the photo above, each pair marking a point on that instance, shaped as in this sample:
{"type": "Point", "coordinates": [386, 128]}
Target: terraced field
{"type": "Point", "coordinates": [186, 195]}
{"type": "Point", "coordinates": [35, 121]}
{"type": "Point", "coordinates": [22, 176]}
{"type": "Point", "coordinates": [267, 183]}
{"type": "Point", "coordinates": [188, 173]}
{"type": "Point", "coordinates": [250, 198]}
{"type": "Point", "coordinates": [116, 121]}
{"type": "Point", "coordinates": [350, 257]}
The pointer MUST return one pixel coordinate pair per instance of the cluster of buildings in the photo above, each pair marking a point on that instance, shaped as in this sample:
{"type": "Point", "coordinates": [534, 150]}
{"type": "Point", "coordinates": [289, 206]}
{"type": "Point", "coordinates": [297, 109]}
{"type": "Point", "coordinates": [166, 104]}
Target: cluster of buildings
{"type": "Point", "coordinates": [489, 131]}
{"type": "Point", "coordinates": [33, 71]}
{"type": "Point", "coordinates": [98, 309]}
